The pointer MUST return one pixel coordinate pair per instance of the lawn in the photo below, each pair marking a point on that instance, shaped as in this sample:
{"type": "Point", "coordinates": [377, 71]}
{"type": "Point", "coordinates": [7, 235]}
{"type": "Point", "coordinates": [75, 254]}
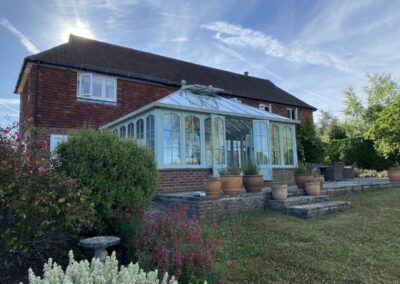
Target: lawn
{"type": "Point", "coordinates": [359, 245]}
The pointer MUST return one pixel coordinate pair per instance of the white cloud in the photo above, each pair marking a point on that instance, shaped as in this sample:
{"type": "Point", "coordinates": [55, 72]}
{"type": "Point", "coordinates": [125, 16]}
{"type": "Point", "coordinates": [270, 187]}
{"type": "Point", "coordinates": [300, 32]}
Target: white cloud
{"type": "Point", "coordinates": [7, 105]}
{"type": "Point", "coordinates": [25, 41]}
{"type": "Point", "coordinates": [235, 35]}
{"type": "Point", "coordinates": [78, 28]}
{"type": "Point", "coordinates": [179, 39]}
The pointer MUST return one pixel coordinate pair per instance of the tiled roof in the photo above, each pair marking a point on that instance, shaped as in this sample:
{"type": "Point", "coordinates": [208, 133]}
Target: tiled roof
{"type": "Point", "coordinates": [92, 55]}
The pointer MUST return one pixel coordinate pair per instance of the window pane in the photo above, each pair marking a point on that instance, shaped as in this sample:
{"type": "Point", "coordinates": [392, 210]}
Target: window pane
{"type": "Point", "coordinates": [97, 87]}
{"type": "Point", "coordinates": [131, 130]}
{"type": "Point", "coordinates": [275, 146]}
{"type": "Point", "coordinates": [207, 128]}
{"type": "Point", "coordinates": [122, 131]}
{"type": "Point", "coordinates": [140, 131]}
{"type": "Point", "coordinates": [150, 132]}
{"type": "Point", "coordinates": [85, 85]}
{"type": "Point", "coordinates": [219, 141]}
{"type": "Point", "coordinates": [192, 140]}
{"type": "Point", "coordinates": [110, 89]}
{"type": "Point", "coordinates": [171, 139]}
{"type": "Point", "coordinates": [287, 145]}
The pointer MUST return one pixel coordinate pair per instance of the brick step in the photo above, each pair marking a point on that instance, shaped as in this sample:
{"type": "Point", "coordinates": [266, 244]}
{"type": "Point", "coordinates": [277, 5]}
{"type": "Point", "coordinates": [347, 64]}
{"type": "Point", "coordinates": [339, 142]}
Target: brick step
{"type": "Point", "coordinates": [312, 210]}
{"type": "Point", "coordinates": [295, 200]}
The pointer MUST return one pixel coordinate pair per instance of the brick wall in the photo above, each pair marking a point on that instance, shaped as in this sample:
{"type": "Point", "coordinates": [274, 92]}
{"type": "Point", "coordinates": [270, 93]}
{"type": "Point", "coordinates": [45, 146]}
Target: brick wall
{"type": "Point", "coordinates": [174, 180]}
{"type": "Point", "coordinates": [282, 175]}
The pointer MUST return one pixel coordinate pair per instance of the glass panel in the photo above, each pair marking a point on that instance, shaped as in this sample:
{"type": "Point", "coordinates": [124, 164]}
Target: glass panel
{"type": "Point", "coordinates": [97, 86]}
{"type": "Point", "coordinates": [287, 145]}
{"type": "Point", "coordinates": [110, 89]}
{"type": "Point", "coordinates": [122, 131]}
{"type": "Point", "coordinates": [171, 139]}
{"type": "Point", "coordinates": [85, 85]}
{"type": "Point", "coordinates": [150, 132]}
{"type": "Point", "coordinates": [131, 130]}
{"type": "Point", "coordinates": [140, 131]}
{"type": "Point", "coordinates": [260, 142]}
{"type": "Point", "coordinates": [207, 128]}
{"type": "Point", "coordinates": [275, 145]}
{"type": "Point", "coordinates": [192, 140]}
{"type": "Point", "coordinates": [219, 141]}
{"type": "Point", "coordinates": [115, 131]}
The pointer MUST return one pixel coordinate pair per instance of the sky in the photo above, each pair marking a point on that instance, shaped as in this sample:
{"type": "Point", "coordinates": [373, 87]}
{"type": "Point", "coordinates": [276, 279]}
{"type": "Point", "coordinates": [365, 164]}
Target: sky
{"type": "Point", "coordinates": [312, 49]}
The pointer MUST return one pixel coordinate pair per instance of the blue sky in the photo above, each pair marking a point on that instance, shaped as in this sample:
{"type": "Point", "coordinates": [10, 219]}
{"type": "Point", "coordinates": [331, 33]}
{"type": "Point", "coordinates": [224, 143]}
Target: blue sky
{"type": "Point", "coordinates": [312, 49]}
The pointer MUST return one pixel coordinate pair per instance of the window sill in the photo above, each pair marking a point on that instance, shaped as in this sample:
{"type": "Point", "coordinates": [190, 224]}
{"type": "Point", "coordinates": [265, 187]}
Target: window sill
{"type": "Point", "coordinates": [96, 101]}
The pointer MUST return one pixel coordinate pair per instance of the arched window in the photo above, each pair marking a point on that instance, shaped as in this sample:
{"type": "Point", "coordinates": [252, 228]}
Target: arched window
{"type": "Point", "coordinates": [131, 130]}
{"type": "Point", "coordinates": [287, 145]}
{"type": "Point", "coordinates": [261, 143]}
{"type": "Point", "coordinates": [150, 132]}
{"type": "Point", "coordinates": [115, 131]}
{"type": "Point", "coordinates": [171, 139]}
{"type": "Point", "coordinates": [275, 145]}
{"type": "Point", "coordinates": [122, 132]}
{"type": "Point", "coordinates": [218, 135]}
{"type": "Point", "coordinates": [140, 131]}
{"type": "Point", "coordinates": [192, 140]}
{"type": "Point", "coordinates": [208, 138]}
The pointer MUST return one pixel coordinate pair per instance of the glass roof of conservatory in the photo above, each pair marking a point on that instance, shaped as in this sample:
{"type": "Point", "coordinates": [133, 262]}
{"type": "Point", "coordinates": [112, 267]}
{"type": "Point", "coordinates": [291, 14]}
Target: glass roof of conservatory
{"type": "Point", "coordinates": [199, 98]}
{"type": "Point", "coordinates": [203, 99]}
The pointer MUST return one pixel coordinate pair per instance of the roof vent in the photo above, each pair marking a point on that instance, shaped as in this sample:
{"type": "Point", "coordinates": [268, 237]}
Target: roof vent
{"type": "Point", "coordinates": [246, 73]}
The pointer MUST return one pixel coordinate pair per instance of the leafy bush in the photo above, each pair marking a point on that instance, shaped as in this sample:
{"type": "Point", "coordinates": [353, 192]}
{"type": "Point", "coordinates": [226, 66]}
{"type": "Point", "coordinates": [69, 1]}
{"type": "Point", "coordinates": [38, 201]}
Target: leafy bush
{"type": "Point", "coordinates": [117, 173]}
{"type": "Point", "coordinates": [229, 172]}
{"type": "Point", "coordinates": [370, 173]}
{"type": "Point", "coordinates": [96, 272]}
{"type": "Point", "coordinates": [301, 170]}
{"type": "Point", "coordinates": [309, 145]}
{"type": "Point", "coordinates": [41, 210]}
{"type": "Point", "coordinates": [178, 245]}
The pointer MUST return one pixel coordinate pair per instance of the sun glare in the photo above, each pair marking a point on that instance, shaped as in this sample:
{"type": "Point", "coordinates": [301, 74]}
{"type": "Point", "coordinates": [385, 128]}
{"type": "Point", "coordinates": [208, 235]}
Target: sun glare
{"type": "Point", "coordinates": [78, 28]}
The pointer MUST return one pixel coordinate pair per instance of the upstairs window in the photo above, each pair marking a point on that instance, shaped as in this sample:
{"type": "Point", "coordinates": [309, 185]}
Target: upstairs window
{"type": "Point", "coordinates": [266, 107]}
{"type": "Point", "coordinates": [292, 113]}
{"type": "Point", "coordinates": [97, 87]}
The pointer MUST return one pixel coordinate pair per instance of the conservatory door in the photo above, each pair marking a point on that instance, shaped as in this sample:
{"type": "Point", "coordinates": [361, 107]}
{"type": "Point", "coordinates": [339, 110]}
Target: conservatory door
{"type": "Point", "coordinates": [261, 151]}
{"type": "Point", "coordinates": [218, 143]}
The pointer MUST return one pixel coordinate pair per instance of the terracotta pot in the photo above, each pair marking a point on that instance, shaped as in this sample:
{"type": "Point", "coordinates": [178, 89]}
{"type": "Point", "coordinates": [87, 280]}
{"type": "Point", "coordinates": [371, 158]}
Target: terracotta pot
{"type": "Point", "coordinates": [231, 184]}
{"type": "Point", "coordinates": [301, 179]}
{"type": "Point", "coordinates": [321, 180]}
{"type": "Point", "coordinates": [212, 187]}
{"type": "Point", "coordinates": [253, 183]}
{"type": "Point", "coordinates": [313, 188]}
{"type": "Point", "coordinates": [394, 174]}
{"type": "Point", "coordinates": [279, 191]}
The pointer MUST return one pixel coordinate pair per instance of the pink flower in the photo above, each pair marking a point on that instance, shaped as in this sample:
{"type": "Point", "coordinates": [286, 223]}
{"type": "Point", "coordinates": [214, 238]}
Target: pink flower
{"type": "Point", "coordinates": [19, 135]}
{"type": "Point", "coordinates": [6, 131]}
{"type": "Point", "coordinates": [41, 170]}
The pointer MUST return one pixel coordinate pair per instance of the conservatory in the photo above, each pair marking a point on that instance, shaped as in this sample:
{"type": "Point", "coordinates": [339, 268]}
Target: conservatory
{"type": "Point", "coordinates": [194, 128]}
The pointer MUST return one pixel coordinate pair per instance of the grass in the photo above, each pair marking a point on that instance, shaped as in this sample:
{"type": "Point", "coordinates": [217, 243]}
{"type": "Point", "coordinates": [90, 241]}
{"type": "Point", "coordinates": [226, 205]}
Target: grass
{"type": "Point", "coordinates": [359, 245]}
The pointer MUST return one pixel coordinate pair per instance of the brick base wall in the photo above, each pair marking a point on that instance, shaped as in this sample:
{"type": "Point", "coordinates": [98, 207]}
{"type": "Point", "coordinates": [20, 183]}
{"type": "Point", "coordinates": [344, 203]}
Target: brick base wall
{"type": "Point", "coordinates": [177, 180]}
{"type": "Point", "coordinates": [282, 175]}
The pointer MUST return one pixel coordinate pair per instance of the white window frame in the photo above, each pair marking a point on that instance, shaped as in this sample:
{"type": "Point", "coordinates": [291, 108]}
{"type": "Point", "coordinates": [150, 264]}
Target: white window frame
{"type": "Point", "coordinates": [103, 88]}
{"type": "Point", "coordinates": [295, 112]}
{"type": "Point", "coordinates": [262, 106]}
{"type": "Point", "coordinates": [56, 139]}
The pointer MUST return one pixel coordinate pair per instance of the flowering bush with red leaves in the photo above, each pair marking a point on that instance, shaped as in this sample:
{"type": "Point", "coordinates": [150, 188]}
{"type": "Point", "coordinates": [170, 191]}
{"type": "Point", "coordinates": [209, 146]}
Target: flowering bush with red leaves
{"type": "Point", "coordinates": [177, 244]}
{"type": "Point", "coordinates": [41, 210]}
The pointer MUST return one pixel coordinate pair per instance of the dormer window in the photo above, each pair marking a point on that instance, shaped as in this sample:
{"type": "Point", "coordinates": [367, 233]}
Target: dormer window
{"type": "Point", "coordinates": [293, 113]}
{"type": "Point", "coordinates": [97, 87]}
{"type": "Point", "coordinates": [266, 107]}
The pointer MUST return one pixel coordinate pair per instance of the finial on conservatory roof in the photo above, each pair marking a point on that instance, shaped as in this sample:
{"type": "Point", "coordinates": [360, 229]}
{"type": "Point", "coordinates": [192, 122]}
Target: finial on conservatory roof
{"type": "Point", "coordinates": [201, 89]}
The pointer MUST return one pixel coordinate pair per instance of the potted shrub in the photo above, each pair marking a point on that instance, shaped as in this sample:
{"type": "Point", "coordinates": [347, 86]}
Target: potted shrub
{"type": "Point", "coordinates": [313, 187]}
{"type": "Point", "coordinates": [279, 191]}
{"type": "Point", "coordinates": [212, 186]}
{"type": "Point", "coordinates": [231, 180]}
{"type": "Point", "coordinates": [394, 173]}
{"type": "Point", "coordinates": [302, 175]}
{"type": "Point", "coordinates": [252, 180]}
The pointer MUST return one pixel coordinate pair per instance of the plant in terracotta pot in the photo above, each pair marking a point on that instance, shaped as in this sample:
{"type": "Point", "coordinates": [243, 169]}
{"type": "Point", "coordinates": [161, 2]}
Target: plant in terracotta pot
{"type": "Point", "coordinates": [212, 186]}
{"type": "Point", "coordinates": [302, 175]}
{"type": "Point", "coordinates": [252, 180]}
{"type": "Point", "coordinates": [279, 191]}
{"type": "Point", "coordinates": [231, 180]}
{"type": "Point", "coordinates": [394, 173]}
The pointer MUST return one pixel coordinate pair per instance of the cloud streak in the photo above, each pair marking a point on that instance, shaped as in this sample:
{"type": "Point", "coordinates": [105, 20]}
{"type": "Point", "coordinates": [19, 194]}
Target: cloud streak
{"type": "Point", "coordinates": [22, 38]}
{"type": "Point", "coordinates": [236, 35]}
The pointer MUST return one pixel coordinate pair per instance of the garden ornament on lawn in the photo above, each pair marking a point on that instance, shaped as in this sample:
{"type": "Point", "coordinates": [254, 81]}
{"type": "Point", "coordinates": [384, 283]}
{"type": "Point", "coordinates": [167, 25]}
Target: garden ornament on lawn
{"type": "Point", "coordinates": [99, 244]}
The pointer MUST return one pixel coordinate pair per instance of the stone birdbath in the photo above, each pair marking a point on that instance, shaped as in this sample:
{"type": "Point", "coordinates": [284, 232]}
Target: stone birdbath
{"type": "Point", "coordinates": [99, 244]}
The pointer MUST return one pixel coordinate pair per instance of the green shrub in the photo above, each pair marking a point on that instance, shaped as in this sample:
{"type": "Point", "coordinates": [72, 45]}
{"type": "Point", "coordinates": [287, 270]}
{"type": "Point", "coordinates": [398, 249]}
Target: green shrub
{"type": "Point", "coordinates": [96, 272]}
{"type": "Point", "coordinates": [116, 173]}
{"type": "Point", "coordinates": [41, 210]}
{"type": "Point", "coordinates": [251, 169]}
{"type": "Point", "coordinates": [230, 172]}
{"type": "Point", "coordinates": [302, 170]}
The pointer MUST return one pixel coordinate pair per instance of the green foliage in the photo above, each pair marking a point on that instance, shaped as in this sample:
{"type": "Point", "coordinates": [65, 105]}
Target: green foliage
{"type": "Point", "coordinates": [302, 170]}
{"type": "Point", "coordinates": [96, 272]}
{"type": "Point", "coordinates": [41, 210]}
{"type": "Point", "coordinates": [251, 169]}
{"type": "Point", "coordinates": [230, 172]}
{"type": "Point", "coordinates": [309, 144]}
{"type": "Point", "coordinates": [116, 173]}
{"type": "Point", "coordinates": [370, 173]}
{"type": "Point", "coordinates": [385, 130]}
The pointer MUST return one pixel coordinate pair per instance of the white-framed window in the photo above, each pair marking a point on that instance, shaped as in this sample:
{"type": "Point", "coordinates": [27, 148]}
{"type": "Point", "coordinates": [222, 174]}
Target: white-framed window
{"type": "Point", "coordinates": [56, 139]}
{"type": "Point", "coordinates": [171, 139]}
{"type": "Point", "coordinates": [266, 107]}
{"type": "Point", "coordinates": [97, 87]}
{"type": "Point", "coordinates": [150, 132]}
{"type": "Point", "coordinates": [292, 113]}
{"type": "Point", "coordinates": [192, 140]}
{"type": "Point", "coordinates": [131, 130]}
{"type": "Point", "coordinates": [122, 132]}
{"type": "Point", "coordinates": [140, 131]}
{"type": "Point", "coordinates": [275, 145]}
{"type": "Point", "coordinates": [287, 142]}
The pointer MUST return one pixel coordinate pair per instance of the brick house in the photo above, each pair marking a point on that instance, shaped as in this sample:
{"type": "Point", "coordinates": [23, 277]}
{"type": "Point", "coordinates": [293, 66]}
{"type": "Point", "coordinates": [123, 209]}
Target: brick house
{"type": "Point", "coordinates": [86, 82]}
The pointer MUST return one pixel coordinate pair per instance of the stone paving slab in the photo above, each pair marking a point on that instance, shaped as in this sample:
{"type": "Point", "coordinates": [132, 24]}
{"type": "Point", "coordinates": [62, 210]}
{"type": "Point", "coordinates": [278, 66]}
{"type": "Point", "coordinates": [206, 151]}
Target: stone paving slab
{"type": "Point", "coordinates": [308, 211]}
